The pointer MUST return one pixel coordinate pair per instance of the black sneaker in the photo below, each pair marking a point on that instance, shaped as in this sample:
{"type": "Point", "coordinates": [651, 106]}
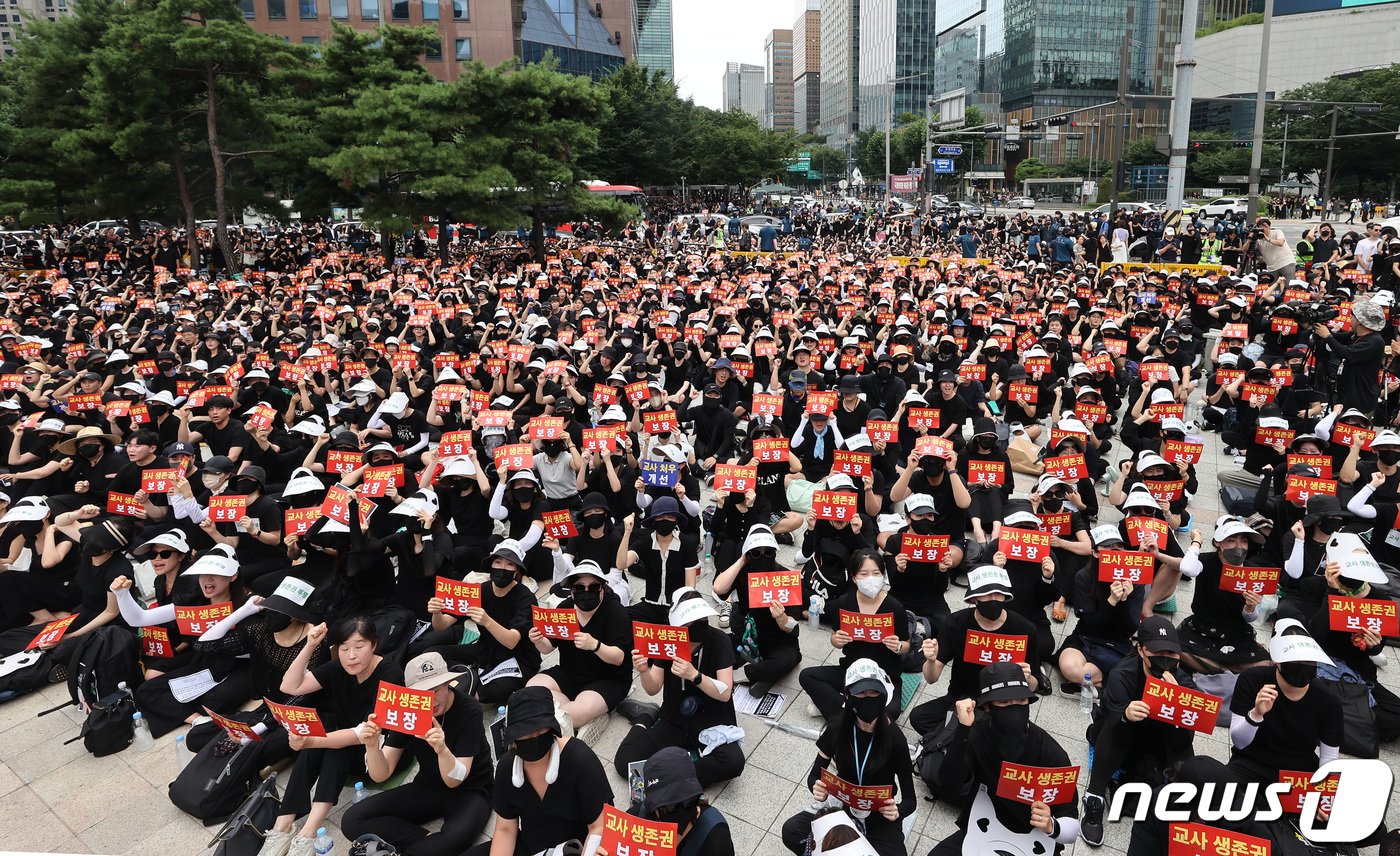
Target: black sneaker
{"type": "Point", "coordinates": [1091, 824]}
{"type": "Point", "coordinates": [372, 845]}
{"type": "Point", "coordinates": [639, 712]}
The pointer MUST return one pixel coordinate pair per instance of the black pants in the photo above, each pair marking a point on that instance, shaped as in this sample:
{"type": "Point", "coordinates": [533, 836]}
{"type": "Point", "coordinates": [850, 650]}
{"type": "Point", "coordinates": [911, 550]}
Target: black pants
{"type": "Point", "coordinates": [724, 763]}
{"type": "Point", "coordinates": [1137, 745]}
{"type": "Point", "coordinates": [775, 665]}
{"type": "Point", "coordinates": [826, 685]}
{"type": "Point", "coordinates": [23, 593]}
{"type": "Point", "coordinates": [931, 714]}
{"type": "Point", "coordinates": [395, 816]}
{"type": "Point", "coordinates": [164, 713]}
{"type": "Point", "coordinates": [326, 770]}
{"type": "Point", "coordinates": [886, 836]}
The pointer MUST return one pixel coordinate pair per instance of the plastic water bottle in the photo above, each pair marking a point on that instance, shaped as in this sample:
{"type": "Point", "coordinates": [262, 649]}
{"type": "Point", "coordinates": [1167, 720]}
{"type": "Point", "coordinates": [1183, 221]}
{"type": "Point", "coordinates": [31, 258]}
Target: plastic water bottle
{"type": "Point", "coordinates": [1088, 696]}
{"type": "Point", "coordinates": [324, 843]}
{"type": "Point", "coordinates": [814, 612]}
{"type": "Point", "coordinates": [359, 791]}
{"type": "Point", "coordinates": [141, 733]}
{"type": "Point", "coordinates": [182, 753]}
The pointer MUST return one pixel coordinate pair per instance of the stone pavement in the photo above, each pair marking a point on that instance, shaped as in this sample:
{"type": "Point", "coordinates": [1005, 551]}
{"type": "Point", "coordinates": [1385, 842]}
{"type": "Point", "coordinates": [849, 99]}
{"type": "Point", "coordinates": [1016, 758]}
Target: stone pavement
{"type": "Point", "coordinates": [59, 799]}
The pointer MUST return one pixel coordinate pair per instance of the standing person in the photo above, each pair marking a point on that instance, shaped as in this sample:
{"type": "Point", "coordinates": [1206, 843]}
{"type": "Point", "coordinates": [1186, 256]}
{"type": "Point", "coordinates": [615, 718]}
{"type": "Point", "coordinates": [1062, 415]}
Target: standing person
{"type": "Point", "coordinates": [549, 789]}
{"type": "Point", "coordinates": [1364, 351]}
{"type": "Point", "coordinates": [1274, 254]}
{"type": "Point", "coordinates": [454, 771]}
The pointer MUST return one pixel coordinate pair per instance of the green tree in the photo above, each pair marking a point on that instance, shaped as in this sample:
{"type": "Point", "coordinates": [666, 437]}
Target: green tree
{"type": "Point", "coordinates": [1143, 152]}
{"type": "Point", "coordinates": [730, 148]}
{"type": "Point", "coordinates": [1366, 165]}
{"type": "Point", "coordinates": [829, 161]}
{"type": "Point", "coordinates": [643, 141]}
{"type": "Point", "coordinates": [1031, 168]}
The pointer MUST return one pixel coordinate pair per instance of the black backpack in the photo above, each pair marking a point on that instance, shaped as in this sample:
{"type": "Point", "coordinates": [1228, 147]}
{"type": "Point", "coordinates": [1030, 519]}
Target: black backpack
{"type": "Point", "coordinates": [222, 773]}
{"type": "Point", "coordinates": [108, 728]}
{"type": "Point", "coordinates": [25, 671]}
{"type": "Point", "coordinates": [101, 662]}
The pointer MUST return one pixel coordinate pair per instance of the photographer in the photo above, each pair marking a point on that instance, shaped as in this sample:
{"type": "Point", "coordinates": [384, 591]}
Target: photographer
{"type": "Point", "coordinates": [1274, 254]}
{"type": "Point", "coordinates": [1363, 351]}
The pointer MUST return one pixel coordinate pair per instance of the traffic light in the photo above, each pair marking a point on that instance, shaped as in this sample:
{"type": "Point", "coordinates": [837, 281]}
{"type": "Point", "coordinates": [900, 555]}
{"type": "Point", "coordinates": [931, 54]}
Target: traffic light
{"type": "Point", "coordinates": [1057, 120]}
{"type": "Point", "coordinates": [1197, 146]}
{"type": "Point", "coordinates": [1242, 144]}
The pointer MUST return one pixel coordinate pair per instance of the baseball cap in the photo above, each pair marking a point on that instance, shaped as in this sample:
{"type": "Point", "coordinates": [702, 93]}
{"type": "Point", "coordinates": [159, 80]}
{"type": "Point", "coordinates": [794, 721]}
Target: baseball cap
{"type": "Point", "coordinates": [1156, 633]}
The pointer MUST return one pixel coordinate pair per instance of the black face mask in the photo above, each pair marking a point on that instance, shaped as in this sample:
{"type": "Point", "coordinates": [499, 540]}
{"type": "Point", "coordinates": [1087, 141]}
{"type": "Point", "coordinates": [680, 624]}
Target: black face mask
{"type": "Point", "coordinates": [1011, 726]}
{"type": "Point", "coordinates": [502, 577]}
{"type": "Point", "coordinates": [595, 521]}
{"type": "Point", "coordinates": [1235, 555]}
{"type": "Point", "coordinates": [523, 494]}
{"type": "Point", "coordinates": [663, 527]}
{"type": "Point", "coordinates": [884, 371]}
{"type": "Point", "coordinates": [277, 621]}
{"type": "Point", "coordinates": [760, 562]}
{"type": "Point", "coordinates": [1388, 457]}
{"type": "Point", "coordinates": [552, 447]}
{"type": "Point", "coordinates": [866, 709]}
{"type": "Point", "coordinates": [1298, 674]}
{"type": "Point", "coordinates": [933, 468]}
{"type": "Point", "coordinates": [710, 403]}
{"type": "Point", "coordinates": [90, 450]}
{"type": "Point", "coordinates": [986, 444]}
{"type": "Point", "coordinates": [922, 527]}
{"type": "Point", "coordinates": [990, 609]}
{"type": "Point", "coordinates": [1052, 503]}
{"type": "Point", "coordinates": [1331, 525]}
{"type": "Point", "coordinates": [682, 817]}
{"type": "Point", "coordinates": [534, 748]}
{"type": "Point", "coordinates": [588, 600]}
{"type": "Point", "coordinates": [1158, 666]}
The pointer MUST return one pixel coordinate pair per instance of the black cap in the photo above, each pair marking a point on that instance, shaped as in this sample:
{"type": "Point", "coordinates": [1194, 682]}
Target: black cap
{"type": "Point", "coordinates": [530, 709]}
{"type": "Point", "coordinates": [712, 389]}
{"type": "Point", "coordinates": [948, 377]}
{"type": "Point", "coordinates": [595, 500]}
{"type": "Point", "coordinates": [1322, 505]}
{"type": "Point", "coordinates": [1156, 633]}
{"type": "Point", "coordinates": [1003, 682]}
{"type": "Point", "coordinates": [670, 780]}
{"type": "Point", "coordinates": [850, 383]}
{"type": "Point", "coordinates": [984, 425]}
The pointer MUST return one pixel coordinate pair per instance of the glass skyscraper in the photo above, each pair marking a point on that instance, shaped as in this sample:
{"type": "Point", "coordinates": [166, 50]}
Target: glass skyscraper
{"type": "Point", "coordinates": [898, 43]}
{"type": "Point", "coordinates": [653, 39]}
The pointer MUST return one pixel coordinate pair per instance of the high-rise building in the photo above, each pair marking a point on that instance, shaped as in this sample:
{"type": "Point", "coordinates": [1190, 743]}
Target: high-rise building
{"type": "Point", "coordinates": [807, 68]}
{"type": "Point", "coordinates": [653, 38]}
{"type": "Point", "coordinates": [896, 59]}
{"type": "Point", "coordinates": [777, 81]}
{"type": "Point", "coordinates": [743, 88]}
{"type": "Point", "coordinates": [840, 70]}
{"type": "Point", "coordinates": [14, 13]}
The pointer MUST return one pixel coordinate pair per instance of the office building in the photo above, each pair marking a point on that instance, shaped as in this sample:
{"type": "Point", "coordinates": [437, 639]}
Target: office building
{"type": "Point", "coordinates": [743, 88]}
{"type": "Point", "coordinates": [807, 68]}
{"type": "Point", "coordinates": [777, 81]}
{"type": "Point", "coordinates": [896, 59]}
{"type": "Point", "coordinates": [14, 12]}
{"type": "Point", "coordinates": [653, 39]}
{"type": "Point", "coordinates": [840, 70]}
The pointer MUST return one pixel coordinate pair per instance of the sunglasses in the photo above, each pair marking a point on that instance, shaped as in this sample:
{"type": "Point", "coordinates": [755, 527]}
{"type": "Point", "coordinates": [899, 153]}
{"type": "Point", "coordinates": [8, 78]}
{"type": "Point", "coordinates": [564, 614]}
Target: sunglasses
{"type": "Point", "coordinates": [165, 554]}
{"type": "Point", "coordinates": [578, 590]}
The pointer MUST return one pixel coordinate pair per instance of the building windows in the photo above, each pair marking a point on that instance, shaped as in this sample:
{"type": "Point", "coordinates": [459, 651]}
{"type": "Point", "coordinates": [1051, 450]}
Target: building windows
{"type": "Point", "coordinates": [464, 50]}
{"type": "Point", "coordinates": [340, 9]}
{"type": "Point", "coordinates": [460, 11]}
{"type": "Point", "coordinates": [369, 10]}
{"type": "Point", "coordinates": [433, 53]}
{"type": "Point", "coordinates": [247, 7]}
{"type": "Point", "coordinates": [277, 10]}
{"type": "Point", "coordinates": [430, 10]}
{"type": "Point", "coordinates": [307, 10]}
{"type": "Point", "coordinates": [399, 10]}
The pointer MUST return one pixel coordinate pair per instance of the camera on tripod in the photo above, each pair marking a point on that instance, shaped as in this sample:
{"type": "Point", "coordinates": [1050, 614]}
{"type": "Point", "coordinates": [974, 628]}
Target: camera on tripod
{"type": "Point", "coordinates": [1314, 312]}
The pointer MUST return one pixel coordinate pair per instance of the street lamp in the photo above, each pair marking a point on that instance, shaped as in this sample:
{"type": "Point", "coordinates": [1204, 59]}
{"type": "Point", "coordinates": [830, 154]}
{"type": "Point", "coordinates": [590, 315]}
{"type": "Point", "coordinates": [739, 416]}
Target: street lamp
{"type": "Point", "coordinates": [889, 126]}
{"type": "Point", "coordinates": [1365, 109]}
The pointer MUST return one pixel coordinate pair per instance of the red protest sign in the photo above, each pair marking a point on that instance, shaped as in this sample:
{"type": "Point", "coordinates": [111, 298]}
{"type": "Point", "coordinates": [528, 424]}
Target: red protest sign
{"type": "Point", "coordinates": [560, 524]}
{"type": "Point", "coordinates": [155, 643]}
{"type": "Point", "coordinates": [660, 422]}
{"type": "Point", "coordinates": [1242, 580]}
{"type": "Point", "coordinates": [1350, 435]}
{"type": "Point", "coordinates": [342, 461]}
{"type": "Point", "coordinates": [854, 464]}
{"type": "Point", "coordinates": [125, 504]}
{"type": "Point", "coordinates": [1182, 452]}
{"type": "Point", "coordinates": [823, 403]}
{"type": "Point", "coordinates": [238, 731]}
{"type": "Point", "coordinates": [336, 505]}
{"type": "Point", "coordinates": [939, 447]}
{"type": "Point", "coordinates": [1147, 533]}
{"type": "Point", "coordinates": [771, 450]}
{"type": "Point", "coordinates": [1303, 488]}
{"type": "Point", "coordinates": [834, 505]}
{"type": "Point", "coordinates": [862, 627]}
{"type": "Point", "coordinates": [1024, 545]}
{"type": "Point", "coordinates": [517, 456]}
{"type": "Point", "coordinates": [196, 620]}
{"type": "Point", "coordinates": [302, 721]}
{"type": "Point", "coordinates": [858, 797]}
{"type": "Point", "coordinates": [1125, 566]}
{"type": "Point", "coordinates": [159, 481]}
{"type": "Point", "coordinates": [1070, 468]}
{"type": "Point", "coordinates": [637, 391]}
{"type": "Point", "coordinates": [1321, 463]}
{"type": "Point", "coordinates": [1357, 614]}
{"type": "Point", "coordinates": [1058, 524]}
{"type": "Point", "coordinates": [661, 641]}
{"type": "Point", "coordinates": [600, 440]}
{"type": "Point", "coordinates": [52, 632]}
{"type": "Point", "coordinates": [554, 623]}
{"type": "Point", "coordinates": [1166, 490]}
{"type": "Point", "coordinates": [1180, 706]}
{"type": "Point", "coordinates": [1197, 839]}
{"type": "Point", "coordinates": [1257, 394]}
{"type": "Point", "coordinates": [781, 587]}
{"type": "Point", "coordinates": [926, 418]}
{"type": "Point", "coordinates": [84, 402]}
{"type": "Point", "coordinates": [1091, 414]}
{"type": "Point", "coordinates": [227, 508]}
{"type": "Point", "coordinates": [736, 478]}
{"type": "Point", "coordinates": [455, 444]}
{"type": "Point", "coordinates": [986, 473]}
{"type": "Point", "coordinates": [1049, 785]}
{"type": "Point", "coordinates": [984, 648]}
{"type": "Point", "coordinates": [767, 405]}
{"type": "Point", "coordinates": [626, 834]}
{"type": "Point", "coordinates": [298, 521]}
{"type": "Point", "coordinates": [1300, 785]}
{"type": "Point", "coordinates": [924, 548]}
{"type": "Point", "coordinates": [456, 596]}
{"type": "Point", "coordinates": [881, 431]}
{"type": "Point", "coordinates": [403, 710]}
{"type": "Point", "coordinates": [546, 428]}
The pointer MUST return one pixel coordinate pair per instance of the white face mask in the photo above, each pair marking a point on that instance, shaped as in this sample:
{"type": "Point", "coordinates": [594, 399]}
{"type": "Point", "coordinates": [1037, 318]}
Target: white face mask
{"type": "Point", "coordinates": [211, 480]}
{"type": "Point", "coordinates": [870, 586]}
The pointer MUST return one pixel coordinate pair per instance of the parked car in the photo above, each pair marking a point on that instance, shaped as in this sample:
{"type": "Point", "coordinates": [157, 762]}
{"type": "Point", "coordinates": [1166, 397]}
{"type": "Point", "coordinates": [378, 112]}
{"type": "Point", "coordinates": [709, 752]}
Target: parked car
{"type": "Point", "coordinates": [1225, 206]}
{"type": "Point", "coordinates": [755, 222]}
{"type": "Point", "coordinates": [1020, 202]}
{"type": "Point", "coordinates": [1130, 207]}
{"type": "Point", "coordinates": [969, 209]}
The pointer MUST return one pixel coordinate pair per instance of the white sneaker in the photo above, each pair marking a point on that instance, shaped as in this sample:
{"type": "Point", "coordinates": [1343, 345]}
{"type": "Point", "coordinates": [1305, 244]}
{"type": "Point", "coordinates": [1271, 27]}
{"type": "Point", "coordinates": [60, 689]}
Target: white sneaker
{"type": "Point", "coordinates": [276, 843]}
{"type": "Point", "coordinates": [813, 711]}
{"type": "Point", "coordinates": [723, 608]}
{"type": "Point", "coordinates": [593, 729]}
{"type": "Point", "coordinates": [302, 846]}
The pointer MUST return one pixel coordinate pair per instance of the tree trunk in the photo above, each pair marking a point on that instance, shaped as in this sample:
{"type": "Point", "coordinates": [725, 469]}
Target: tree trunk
{"type": "Point", "coordinates": [537, 237]}
{"type": "Point", "coordinates": [186, 204]}
{"type": "Point", "coordinates": [444, 238]}
{"type": "Point", "coordinates": [216, 154]}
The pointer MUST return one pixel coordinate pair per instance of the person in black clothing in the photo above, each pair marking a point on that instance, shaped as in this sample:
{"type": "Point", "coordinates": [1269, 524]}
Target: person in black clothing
{"type": "Point", "coordinates": [673, 794]}
{"type": "Point", "coordinates": [697, 698]}
{"type": "Point", "coordinates": [1363, 350]}
{"type": "Point", "coordinates": [1218, 635]}
{"type": "Point", "coordinates": [1121, 735]}
{"type": "Point", "coordinates": [919, 584]}
{"type": "Point", "coordinates": [866, 749]}
{"type": "Point", "coordinates": [1353, 649]}
{"type": "Point", "coordinates": [665, 556]}
{"type": "Point", "coordinates": [454, 777]}
{"type": "Point", "coordinates": [815, 441]}
{"type": "Point", "coordinates": [996, 728]}
{"type": "Point", "coordinates": [714, 428]}
{"type": "Point", "coordinates": [988, 497]}
{"type": "Point", "coordinates": [1109, 615]}
{"type": "Point", "coordinates": [766, 638]}
{"type": "Point", "coordinates": [988, 591]}
{"type": "Point", "coordinates": [851, 410]}
{"type": "Point", "coordinates": [218, 431]}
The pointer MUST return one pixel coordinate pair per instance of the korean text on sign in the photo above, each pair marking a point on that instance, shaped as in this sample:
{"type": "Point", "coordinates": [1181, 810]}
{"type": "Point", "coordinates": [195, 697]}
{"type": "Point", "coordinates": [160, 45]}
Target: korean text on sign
{"type": "Point", "coordinates": [659, 473]}
{"type": "Point", "coordinates": [924, 548]}
{"type": "Point", "coordinates": [860, 798]}
{"type": "Point", "coordinates": [457, 597]}
{"type": "Point", "coordinates": [781, 587]}
{"type": "Point", "coordinates": [302, 721]}
{"type": "Point", "coordinates": [560, 524]}
{"type": "Point", "coordinates": [1126, 566]}
{"type": "Point", "coordinates": [735, 478]}
{"type": "Point", "coordinates": [985, 648]}
{"type": "Point", "coordinates": [52, 633]}
{"type": "Point", "coordinates": [661, 641]}
{"type": "Point", "coordinates": [233, 728]}
{"type": "Point", "coordinates": [1242, 580]}
{"type": "Point", "coordinates": [555, 623]}
{"type": "Point", "coordinates": [196, 620]}
{"type": "Point", "coordinates": [1049, 785]}
{"type": "Point", "coordinates": [626, 835]}
{"type": "Point", "coordinates": [1300, 784]}
{"type": "Point", "coordinates": [1357, 614]}
{"type": "Point", "coordinates": [1024, 545]}
{"type": "Point", "coordinates": [834, 505]}
{"type": "Point", "coordinates": [862, 627]}
{"type": "Point", "coordinates": [1197, 839]}
{"type": "Point", "coordinates": [1180, 706]}
{"type": "Point", "coordinates": [404, 710]}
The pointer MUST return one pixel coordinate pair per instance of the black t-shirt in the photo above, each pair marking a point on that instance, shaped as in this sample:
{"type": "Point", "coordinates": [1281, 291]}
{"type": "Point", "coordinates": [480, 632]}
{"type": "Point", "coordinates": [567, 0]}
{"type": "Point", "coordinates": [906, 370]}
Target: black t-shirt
{"type": "Point", "coordinates": [855, 650]}
{"type": "Point", "coordinates": [682, 552]}
{"type": "Point", "coordinates": [346, 702]}
{"type": "Point", "coordinates": [715, 653]}
{"type": "Point", "coordinates": [1292, 729]}
{"type": "Point", "coordinates": [952, 641]}
{"type": "Point", "coordinates": [512, 611]}
{"type": "Point", "coordinates": [221, 440]}
{"type": "Point", "coordinates": [466, 738]}
{"type": "Point", "coordinates": [920, 585]}
{"type": "Point", "coordinates": [575, 799]}
{"type": "Point", "coordinates": [406, 430]}
{"type": "Point", "coordinates": [609, 625]}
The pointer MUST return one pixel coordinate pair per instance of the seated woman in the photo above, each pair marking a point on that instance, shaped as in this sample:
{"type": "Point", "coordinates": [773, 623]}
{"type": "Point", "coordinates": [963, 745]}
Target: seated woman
{"type": "Point", "coordinates": [674, 795]}
{"type": "Point", "coordinates": [867, 749]}
{"type": "Point", "coordinates": [593, 673]}
{"type": "Point", "coordinates": [1108, 619]}
{"type": "Point", "coordinates": [162, 649]}
{"type": "Point", "coordinates": [350, 682]}
{"type": "Point", "coordinates": [697, 699]}
{"type": "Point", "coordinates": [766, 639]}
{"type": "Point", "coordinates": [454, 771]}
{"type": "Point", "coordinates": [1218, 635]}
{"type": "Point", "coordinates": [163, 699]}
{"type": "Point", "coordinates": [549, 788]}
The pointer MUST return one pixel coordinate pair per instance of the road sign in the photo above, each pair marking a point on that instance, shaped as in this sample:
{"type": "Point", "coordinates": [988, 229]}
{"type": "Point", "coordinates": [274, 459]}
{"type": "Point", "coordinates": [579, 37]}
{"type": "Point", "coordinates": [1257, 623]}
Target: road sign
{"type": "Point", "coordinates": [916, 172]}
{"type": "Point", "coordinates": [943, 166]}
{"type": "Point", "coordinates": [950, 150]}
{"type": "Point", "coordinates": [1234, 179]}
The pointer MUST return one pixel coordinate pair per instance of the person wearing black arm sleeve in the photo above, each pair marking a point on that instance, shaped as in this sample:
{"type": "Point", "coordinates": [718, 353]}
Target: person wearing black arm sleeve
{"type": "Point", "coordinates": [970, 772]}
{"type": "Point", "coordinates": [866, 749]}
{"type": "Point", "coordinates": [454, 772]}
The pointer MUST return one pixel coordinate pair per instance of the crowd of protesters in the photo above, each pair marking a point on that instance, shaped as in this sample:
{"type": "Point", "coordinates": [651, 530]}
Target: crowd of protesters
{"type": "Point", "coordinates": [956, 434]}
